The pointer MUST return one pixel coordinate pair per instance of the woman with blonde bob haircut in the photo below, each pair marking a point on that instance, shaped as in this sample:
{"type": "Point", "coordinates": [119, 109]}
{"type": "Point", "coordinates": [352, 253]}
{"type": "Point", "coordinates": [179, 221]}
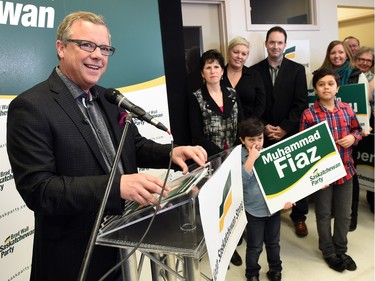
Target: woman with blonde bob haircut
{"type": "Point", "coordinates": [247, 83]}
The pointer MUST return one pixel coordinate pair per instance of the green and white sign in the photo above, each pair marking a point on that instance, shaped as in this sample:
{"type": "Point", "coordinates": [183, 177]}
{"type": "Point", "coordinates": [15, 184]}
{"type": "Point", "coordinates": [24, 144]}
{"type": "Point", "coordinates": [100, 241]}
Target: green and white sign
{"type": "Point", "coordinates": [356, 96]}
{"type": "Point", "coordinates": [298, 166]}
{"type": "Point", "coordinates": [365, 162]}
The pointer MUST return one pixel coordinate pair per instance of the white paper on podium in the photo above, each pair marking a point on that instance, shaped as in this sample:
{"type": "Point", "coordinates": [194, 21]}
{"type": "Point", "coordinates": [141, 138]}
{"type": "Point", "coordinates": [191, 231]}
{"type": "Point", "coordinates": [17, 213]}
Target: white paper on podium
{"type": "Point", "coordinates": [183, 188]}
{"type": "Point", "coordinates": [222, 213]}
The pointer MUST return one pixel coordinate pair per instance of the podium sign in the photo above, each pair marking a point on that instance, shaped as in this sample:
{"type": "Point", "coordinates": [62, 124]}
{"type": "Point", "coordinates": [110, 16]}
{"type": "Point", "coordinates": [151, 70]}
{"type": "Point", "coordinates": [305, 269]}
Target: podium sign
{"type": "Point", "coordinates": [222, 213]}
{"type": "Point", "coordinates": [356, 96]}
{"type": "Point", "coordinates": [219, 224]}
{"type": "Point", "coordinates": [298, 166]}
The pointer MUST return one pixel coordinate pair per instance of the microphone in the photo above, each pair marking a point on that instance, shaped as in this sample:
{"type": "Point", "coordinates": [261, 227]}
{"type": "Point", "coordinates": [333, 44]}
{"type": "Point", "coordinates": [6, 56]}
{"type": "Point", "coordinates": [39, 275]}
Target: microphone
{"type": "Point", "coordinates": [115, 97]}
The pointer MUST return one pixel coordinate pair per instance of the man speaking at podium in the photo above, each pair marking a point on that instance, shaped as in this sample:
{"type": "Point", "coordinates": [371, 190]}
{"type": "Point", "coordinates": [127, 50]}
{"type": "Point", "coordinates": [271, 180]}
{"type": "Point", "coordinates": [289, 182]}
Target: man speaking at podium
{"type": "Point", "coordinates": [62, 137]}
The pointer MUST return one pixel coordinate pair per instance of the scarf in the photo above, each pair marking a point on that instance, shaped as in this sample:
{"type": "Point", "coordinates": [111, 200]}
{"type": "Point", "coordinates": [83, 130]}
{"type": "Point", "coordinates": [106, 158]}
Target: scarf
{"type": "Point", "coordinates": [369, 76]}
{"type": "Point", "coordinates": [345, 71]}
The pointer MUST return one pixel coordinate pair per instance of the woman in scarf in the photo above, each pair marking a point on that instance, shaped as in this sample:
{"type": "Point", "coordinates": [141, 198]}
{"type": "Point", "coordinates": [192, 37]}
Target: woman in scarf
{"type": "Point", "coordinates": [340, 58]}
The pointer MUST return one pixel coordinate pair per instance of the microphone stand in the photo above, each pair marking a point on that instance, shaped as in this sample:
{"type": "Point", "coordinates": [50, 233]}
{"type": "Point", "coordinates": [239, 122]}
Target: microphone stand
{"type": "Point", "coordinates": [94, 233]}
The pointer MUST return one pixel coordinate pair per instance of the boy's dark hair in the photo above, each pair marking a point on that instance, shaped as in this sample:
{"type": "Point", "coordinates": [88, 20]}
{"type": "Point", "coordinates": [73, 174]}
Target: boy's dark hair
{"type": "Point", "coordinates": [210, 56]}
{"type": "Point", "coordinates": [324, 71]}
{"type": "Point", "coordinates": [250, 127]}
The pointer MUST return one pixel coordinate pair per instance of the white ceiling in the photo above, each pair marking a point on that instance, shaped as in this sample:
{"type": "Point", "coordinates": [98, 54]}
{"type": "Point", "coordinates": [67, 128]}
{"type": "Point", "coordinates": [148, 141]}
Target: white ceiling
{"type": "Point", "coordinates": [350, 13]}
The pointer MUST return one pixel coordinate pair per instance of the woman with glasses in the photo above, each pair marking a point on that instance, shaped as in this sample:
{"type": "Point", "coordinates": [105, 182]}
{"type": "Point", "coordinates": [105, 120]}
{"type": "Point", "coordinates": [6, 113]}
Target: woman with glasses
{"type": "Point", "coordinates": [364, 61]}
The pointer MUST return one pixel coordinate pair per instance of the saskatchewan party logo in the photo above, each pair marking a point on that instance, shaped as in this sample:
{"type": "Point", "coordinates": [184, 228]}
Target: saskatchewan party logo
{"type": "Point", "coordinates": [9, 244]}
{"type": "Point", "coordinates": [316, 177]}
{"type": "Point", "coordinates": [226, 202]}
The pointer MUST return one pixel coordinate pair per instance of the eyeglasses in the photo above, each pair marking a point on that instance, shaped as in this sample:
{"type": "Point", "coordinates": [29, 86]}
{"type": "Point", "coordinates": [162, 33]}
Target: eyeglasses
{"type": "Point", "coordinates": [89, 46]}
{"type": "Point", "coordinates": [362, 60]}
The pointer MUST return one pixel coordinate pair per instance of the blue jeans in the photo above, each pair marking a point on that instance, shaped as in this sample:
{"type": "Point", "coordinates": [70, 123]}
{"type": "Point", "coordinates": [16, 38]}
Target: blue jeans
{"type": "Point", "coordinates": [263, 230]}
{"type": "Point", "coordinates": [333, 202]}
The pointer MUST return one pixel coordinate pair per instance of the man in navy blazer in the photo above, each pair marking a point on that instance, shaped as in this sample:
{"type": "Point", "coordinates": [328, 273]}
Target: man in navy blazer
{"type": "Point", "coordinates": [61, 157]}
{"type": "Point", "coordinates": [286, 98]}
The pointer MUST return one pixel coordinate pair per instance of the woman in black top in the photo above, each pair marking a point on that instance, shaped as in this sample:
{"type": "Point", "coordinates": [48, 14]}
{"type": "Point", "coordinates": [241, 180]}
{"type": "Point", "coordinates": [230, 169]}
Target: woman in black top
{"type": "Point", "coordinates": [247, 83]}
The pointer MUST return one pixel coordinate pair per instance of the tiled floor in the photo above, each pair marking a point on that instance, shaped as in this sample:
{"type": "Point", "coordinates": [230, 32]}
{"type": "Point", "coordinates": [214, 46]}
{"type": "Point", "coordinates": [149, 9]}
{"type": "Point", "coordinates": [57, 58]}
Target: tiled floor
{"type": "Point", "coordinates": [302, 260]}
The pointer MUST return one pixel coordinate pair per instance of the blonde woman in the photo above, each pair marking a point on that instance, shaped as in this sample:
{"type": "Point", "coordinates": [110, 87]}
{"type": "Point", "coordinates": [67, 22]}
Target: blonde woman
{"type": "Point", "coordinates": [247, 82]}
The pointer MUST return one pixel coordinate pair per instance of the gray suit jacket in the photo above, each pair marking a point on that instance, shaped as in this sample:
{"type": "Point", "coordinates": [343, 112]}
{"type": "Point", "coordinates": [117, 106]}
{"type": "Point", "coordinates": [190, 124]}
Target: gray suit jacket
{"type": "Point", "coordinates": [61, 175]}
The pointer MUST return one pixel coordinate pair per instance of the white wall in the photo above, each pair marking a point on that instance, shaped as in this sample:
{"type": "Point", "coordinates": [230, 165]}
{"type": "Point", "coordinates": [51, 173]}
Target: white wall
{"type": "Point", "coordinates": [319, 39]}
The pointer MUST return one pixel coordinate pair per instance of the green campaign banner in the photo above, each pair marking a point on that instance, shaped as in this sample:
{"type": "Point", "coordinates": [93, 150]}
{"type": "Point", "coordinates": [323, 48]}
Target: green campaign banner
{"type": "Point", "coordinates": [365, 162]}
{"type": "Point", "coordinates": [298, 166]}
{"type": "Point", "coordinates": [356, 96]}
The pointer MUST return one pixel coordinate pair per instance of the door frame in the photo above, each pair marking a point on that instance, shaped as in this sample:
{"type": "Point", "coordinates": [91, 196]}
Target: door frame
{"type": "Point", "coordinates": [223, 34]}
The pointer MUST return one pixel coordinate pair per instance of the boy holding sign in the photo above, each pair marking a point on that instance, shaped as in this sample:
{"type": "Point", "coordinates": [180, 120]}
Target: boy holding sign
{"type": "Point", "coordinates": [262, 226]}
{"type": "Point", "coordinates": [335, 200]}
